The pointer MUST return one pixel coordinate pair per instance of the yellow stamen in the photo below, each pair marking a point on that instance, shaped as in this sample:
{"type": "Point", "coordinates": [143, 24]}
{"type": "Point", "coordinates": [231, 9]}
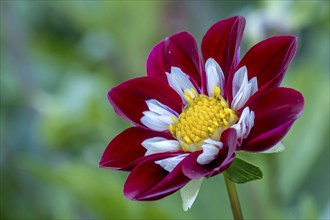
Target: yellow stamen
{"type": "Point", "coordinates": [190, 94]}
{"type": "Point", "coordinates": [204, 117]}
{"type": "Point", "coordinates": [216, 92]}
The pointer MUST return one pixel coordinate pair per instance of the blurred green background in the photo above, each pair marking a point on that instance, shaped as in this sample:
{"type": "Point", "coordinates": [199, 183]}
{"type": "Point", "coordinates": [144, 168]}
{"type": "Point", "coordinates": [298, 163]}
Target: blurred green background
{"type": "Point", "coordinates": [59, 58]}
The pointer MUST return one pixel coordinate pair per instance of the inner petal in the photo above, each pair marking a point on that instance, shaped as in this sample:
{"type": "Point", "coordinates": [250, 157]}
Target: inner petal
{"type": "Point", "coordinates": [180, 82]}
{"type": "Point", "coordinates": [158, 117]}
{"type": "Point", "coordinates": [242, 88]}
{"type": "Point", "coordinates": [203, 118]}
{"type": "Point", "coordinates": [214, 76]}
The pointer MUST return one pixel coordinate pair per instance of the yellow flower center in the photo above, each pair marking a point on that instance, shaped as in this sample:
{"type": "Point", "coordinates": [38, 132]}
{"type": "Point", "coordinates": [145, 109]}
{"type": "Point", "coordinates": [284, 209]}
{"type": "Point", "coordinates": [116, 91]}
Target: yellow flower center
{"type": "Point", "coordinates": [204, 117]}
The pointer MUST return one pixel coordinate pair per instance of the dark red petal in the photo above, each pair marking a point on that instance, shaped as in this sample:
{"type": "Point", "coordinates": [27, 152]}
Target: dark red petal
{"type": "Point", "coordinates": [221, 42]}
{"type": "Point", "coordinates": [125, 149]}
{"type": "Point", "coordinates": [179, 50]}
{"type": "Point", "coordinates": [269, 59]}
{"type": "Point", "coordinates": [129, 98]}
{"type": "Point", "coordinates": [267, 139]}
{"type": "Point", "coordinates": [192, 169]}
{"type": "Point", "coordinates": [149, 181]}
{"type": "Point", "coordinates": [275, 111]}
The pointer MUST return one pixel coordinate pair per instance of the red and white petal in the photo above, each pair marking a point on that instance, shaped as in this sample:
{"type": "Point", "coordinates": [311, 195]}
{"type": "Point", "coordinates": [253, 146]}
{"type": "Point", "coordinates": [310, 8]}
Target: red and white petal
{"type": "Point", "coordinates": [275, 111]}
{"type": "Point", "coordinates": [170, 163]}
{"type": "Point", "coordinates": [149, 181]}
{"type": "Point", "coordinates": [159, 116]}
{"type": "Point", "coordinates": [145, 176]}
{"type": "Point", "coordinates": [267, 139]}
{"type": "Point", "coordinates": [161, 109]}
{"type": "Point", "coordinates": [174, 181]}
{"type": "Point", "coordinates": [124, 152]}
{"type": "Point", "coordinates": [214, 76]}
{"type": "Point", "coordinates": [244, 125]}
{"type": "Point", "coordinates": [155, 122]}
{"type": "Point", "coordinates": [180, 82]}
{"type": "Point", "coordinates": [242, 88]}
{"type": "Point", "coordinates": [160, 145]}
{"type": "Point", "coordinates": [189, 193]}
{"type": "Point", "coordinates": [179, 50]}
{"type": "Point", "coordinates": [210, 151]}
{"type": "Point", "coordinates": [229, 140]}
{"type": "Point", "coordinates": [192, 169]}
{"type": "Point", "coordinates": [222, 41]}
{"type": "Point", "coordinates": [129, 98]}
{"type": "Point", "coordinates": [269, 59]}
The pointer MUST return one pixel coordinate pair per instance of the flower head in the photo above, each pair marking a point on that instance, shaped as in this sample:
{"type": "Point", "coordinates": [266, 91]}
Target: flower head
{"type": "Point", "coordinates": [191, 113]}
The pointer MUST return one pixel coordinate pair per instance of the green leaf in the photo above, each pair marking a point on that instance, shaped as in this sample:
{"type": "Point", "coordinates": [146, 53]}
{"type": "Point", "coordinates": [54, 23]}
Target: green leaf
{"type": "Point", "coordinates": [242, 172]}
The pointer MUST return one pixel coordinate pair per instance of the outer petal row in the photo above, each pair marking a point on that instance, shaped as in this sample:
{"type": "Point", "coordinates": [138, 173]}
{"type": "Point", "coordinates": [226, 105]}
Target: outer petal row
{"type": "Point", "coordinates": [267, 60]}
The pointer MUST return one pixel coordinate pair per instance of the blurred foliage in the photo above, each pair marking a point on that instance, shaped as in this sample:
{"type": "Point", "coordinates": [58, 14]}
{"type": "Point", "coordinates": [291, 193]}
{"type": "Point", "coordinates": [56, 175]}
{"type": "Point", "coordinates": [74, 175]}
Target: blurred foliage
{"type": "Point", "coordinates": [59, 58]}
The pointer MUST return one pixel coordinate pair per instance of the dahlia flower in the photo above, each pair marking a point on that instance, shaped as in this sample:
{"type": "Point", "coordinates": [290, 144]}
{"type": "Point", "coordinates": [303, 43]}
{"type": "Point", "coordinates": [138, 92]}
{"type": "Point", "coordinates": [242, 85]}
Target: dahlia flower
{"type": "Point", "coordinates": [192, 112]}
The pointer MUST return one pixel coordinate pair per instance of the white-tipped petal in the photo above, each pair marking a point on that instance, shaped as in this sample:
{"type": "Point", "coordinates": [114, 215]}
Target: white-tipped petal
{"type": "Point", "coordinates": [153, 121]}
{"type": "Point", "coordinates": [159, 145]}
{"type": "Point", "coordinates": [250, 123]}
{"type": "Point", "coordinates": [166, 119]}
{"type": "Point", "coordinates": [159, 116]}
{"type": "Point", "coordinates": [279, 147]}
{"type": "Point", "coordinates": [181, 78]}
{"type": "Point", "coordinates": [254, 85]}
{"type": "Point", "coordinates": [244, 125]}
{"type": "Point", "coordinates": [175, 85]}
{"type": "Point", "coordinates": [216, 143]}
{"type": "Point", "coordinates": [239, 78]}
{"type": "Point", "coordinates": [242, 88]}
{"type": "Point", "coordinates": [160, 108]}
{"type": "Point", "coordinates": [214, 76]}
{"type": "Point", "coordinates": [170, 163]}
{"type": "Point", "coordinates": [147, 143]}
{"type": "Point", "coordinates": [189, 193]}
{"type": "Point", "coordinates": [210, 152]}
{"type": "Point", "coordinates": [179, 81]}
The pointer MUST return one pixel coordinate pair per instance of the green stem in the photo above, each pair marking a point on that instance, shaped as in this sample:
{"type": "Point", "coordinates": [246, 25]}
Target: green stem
{"type": "Point", "coordinates": [234, 201]}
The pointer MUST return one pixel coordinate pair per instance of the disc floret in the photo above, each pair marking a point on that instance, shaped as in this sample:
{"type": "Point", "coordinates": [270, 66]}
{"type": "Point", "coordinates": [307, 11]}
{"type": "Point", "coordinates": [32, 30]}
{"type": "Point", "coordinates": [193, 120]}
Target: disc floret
{"type": "Point", "coordinates": [203, 117]}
